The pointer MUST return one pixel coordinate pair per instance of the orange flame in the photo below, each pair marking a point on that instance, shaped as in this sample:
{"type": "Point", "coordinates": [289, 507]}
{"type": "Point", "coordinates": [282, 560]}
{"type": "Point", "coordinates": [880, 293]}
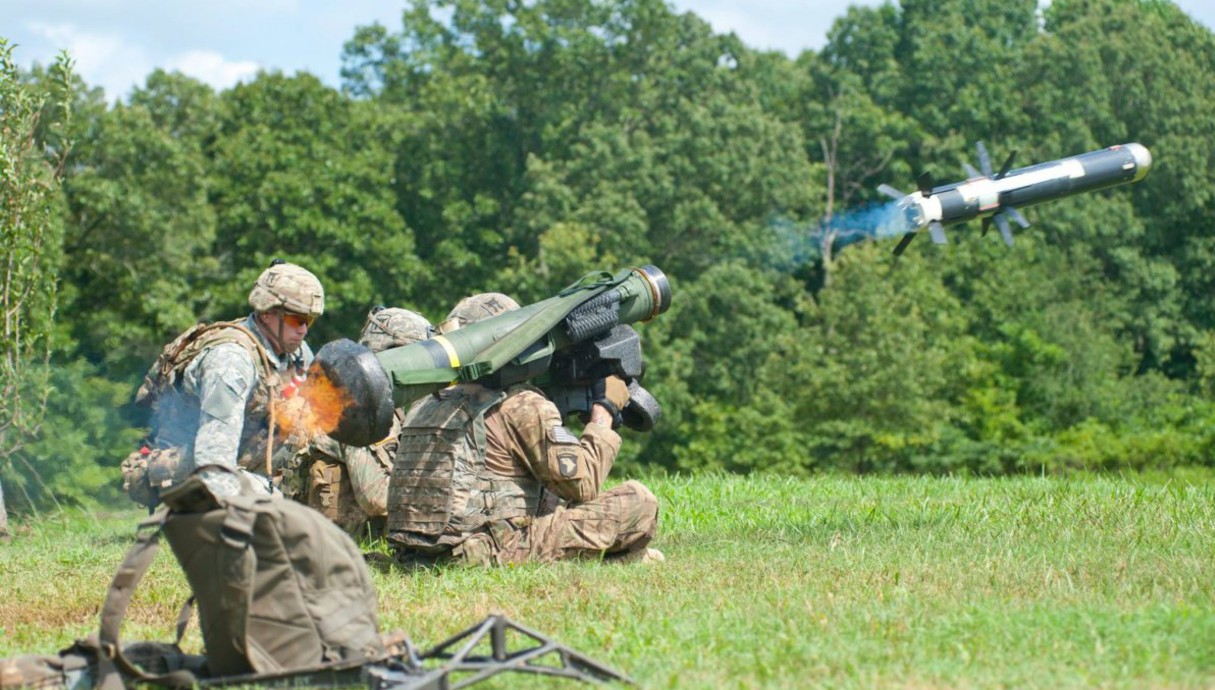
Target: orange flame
{"type": "Point", "coordinates": [315, 409]}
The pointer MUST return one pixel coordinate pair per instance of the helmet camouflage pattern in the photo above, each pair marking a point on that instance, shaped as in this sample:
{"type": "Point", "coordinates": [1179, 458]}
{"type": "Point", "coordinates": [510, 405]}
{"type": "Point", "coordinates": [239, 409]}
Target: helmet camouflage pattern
{"type": "Point", "coordinates": [477, 308]}
{"type": "Point", "coordinates": [288, 287]}
{"type": "Point", "coordinates": [389, 327]}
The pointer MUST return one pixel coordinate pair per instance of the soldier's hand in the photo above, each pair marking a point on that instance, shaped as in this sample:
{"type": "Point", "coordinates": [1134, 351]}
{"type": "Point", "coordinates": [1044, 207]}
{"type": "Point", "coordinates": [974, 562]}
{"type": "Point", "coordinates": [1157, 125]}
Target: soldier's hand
{"type": "Point", "coordinates": [612, 393]}
{"type": "Point", "coordinates": [616, 391]}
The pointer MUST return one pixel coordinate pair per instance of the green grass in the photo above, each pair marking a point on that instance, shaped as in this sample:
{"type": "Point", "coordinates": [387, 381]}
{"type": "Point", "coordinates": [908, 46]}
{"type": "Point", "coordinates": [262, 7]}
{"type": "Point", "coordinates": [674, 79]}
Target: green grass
{"type": "Point", "coordinates": [832, 582]}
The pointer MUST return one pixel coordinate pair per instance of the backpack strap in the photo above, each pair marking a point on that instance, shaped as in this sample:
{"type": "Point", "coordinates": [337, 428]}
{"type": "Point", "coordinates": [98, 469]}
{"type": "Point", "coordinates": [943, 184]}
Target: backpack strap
{"type": "Point", "coordinates": [240, 519]}
{"type": "Point", "coordinates": [112, 663]}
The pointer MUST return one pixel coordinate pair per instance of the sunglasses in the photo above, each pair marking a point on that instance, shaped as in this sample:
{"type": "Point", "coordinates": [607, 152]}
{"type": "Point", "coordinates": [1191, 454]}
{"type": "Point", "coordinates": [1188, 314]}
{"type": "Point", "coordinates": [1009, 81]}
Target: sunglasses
{"type": "Point", "coordinates": [297, 320]}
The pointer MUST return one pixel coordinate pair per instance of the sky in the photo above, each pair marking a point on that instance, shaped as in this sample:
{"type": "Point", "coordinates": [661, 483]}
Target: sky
{"type": "Point", "coordinates": [117, 43]}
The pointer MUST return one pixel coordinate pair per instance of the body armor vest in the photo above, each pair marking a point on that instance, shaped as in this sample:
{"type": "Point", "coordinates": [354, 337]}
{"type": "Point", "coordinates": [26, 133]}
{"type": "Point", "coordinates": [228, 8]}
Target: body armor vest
{"type": "Point", "coordinates": [168, 369]}
{"type": "Point", "coordinates": [440, 490]}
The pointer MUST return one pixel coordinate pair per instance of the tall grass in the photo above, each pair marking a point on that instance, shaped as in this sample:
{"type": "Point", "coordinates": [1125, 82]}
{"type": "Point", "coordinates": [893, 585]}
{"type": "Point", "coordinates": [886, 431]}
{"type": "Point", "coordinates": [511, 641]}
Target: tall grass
{"type": "Point", "coordinates": [832, 582]}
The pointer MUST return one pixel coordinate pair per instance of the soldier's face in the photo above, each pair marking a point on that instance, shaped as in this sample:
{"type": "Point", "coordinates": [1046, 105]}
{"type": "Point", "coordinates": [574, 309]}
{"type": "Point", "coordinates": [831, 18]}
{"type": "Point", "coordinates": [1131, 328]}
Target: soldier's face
{"type": "Point", "coordinates": [287, 330]}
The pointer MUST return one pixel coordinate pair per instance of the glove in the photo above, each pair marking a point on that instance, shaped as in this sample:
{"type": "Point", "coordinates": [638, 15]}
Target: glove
{"type": "Point", "coordinates": [612, 393]}
{"type": "Point", "coordinates": [616, 391]}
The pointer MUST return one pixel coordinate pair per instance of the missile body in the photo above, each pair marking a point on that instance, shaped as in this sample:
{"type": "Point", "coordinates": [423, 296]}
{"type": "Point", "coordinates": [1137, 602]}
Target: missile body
{"type": "Point", "coordinates": [509, 348]}
{"type": "Point", "coordinates": [992, 196]}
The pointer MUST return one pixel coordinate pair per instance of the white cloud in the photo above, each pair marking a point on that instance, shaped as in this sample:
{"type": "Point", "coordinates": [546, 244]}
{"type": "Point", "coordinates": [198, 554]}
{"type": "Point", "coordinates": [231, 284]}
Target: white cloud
{"type": "Point", "coordinates": [213, 68]}
{"type": "Point", "coordinates": [790, 26]}
{"type": "Point", "coordinates": [104, 60]}
{"type": "Point", "coordinates": [118, 66]}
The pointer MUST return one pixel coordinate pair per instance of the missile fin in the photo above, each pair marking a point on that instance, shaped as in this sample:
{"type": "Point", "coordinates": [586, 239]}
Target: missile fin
{"type": "Point", "coordinates": [970, 170]}
{"type": "Point", "coordinates": [1005, 231]}
{"type": "Point", "coordinates": [986, 226]}
{"type": "Point", "coordinates": [1016, 216]}
{"type": "Point", "coordinates": [984, 158]}
{"type": "Point", "coordinates": [937, 232]}
{"type": "Point", "coordinates": [902, 245]}
{"type": "Point", "coordinates": [1007, 164]}
{"type": "Point", "coordinates": [924, 183]}
{"type": "Point", "coordinates": [890, 191]}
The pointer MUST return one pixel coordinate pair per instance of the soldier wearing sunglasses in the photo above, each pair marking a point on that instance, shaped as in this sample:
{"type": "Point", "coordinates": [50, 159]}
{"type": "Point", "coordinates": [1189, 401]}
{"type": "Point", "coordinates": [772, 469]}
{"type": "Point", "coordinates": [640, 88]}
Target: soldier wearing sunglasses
{"type": "Point", "coordinates": [212, 388]}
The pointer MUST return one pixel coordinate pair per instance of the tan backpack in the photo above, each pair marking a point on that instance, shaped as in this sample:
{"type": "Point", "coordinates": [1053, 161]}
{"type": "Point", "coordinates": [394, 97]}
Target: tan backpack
{"type": "Point", "coordinates": [279, 588]}
{"type": "Point", "coordinates": [285, 600]}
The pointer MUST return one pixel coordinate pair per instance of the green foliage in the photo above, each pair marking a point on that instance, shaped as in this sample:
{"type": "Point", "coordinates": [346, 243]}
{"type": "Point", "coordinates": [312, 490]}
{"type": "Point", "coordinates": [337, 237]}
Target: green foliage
{"type": "Point", "coordinates": [140, 229]}
{"type": "Point", "coordinates": [84, 437]}
{"type": "Point", "coordinates": [303, 174]}
{"type": "Point", "coordinates": [33, 149]}
{"type": "Point", "coordinates": [1137, 88]}
{"type": "Point", "coordinates": [706, 356]}
{"type": "Point", "coordinates": [493, 145]}
{"type": "Point", "coordinates": [637, 124]}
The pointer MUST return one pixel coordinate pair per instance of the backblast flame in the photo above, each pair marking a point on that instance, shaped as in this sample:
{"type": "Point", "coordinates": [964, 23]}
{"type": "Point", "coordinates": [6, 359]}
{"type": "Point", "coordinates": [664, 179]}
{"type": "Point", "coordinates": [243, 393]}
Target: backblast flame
{"type": "Point", "coordinates": [315, 409]}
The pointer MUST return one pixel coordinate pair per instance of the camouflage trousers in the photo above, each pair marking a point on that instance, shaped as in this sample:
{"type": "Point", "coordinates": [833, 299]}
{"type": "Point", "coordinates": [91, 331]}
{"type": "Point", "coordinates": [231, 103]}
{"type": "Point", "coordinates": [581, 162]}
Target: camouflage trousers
{"type": "Point", "coordinates": [618, 522]}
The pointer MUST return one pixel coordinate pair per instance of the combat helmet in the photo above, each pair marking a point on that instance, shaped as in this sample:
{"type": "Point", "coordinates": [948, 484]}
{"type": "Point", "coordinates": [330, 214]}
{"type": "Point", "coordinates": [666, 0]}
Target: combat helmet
{"type": "Point", "coordinates": [389, 327]}
{"type": "Point", "coordinates": [289, 287]}
{"type": "Point", "coordinates": [477, 308]}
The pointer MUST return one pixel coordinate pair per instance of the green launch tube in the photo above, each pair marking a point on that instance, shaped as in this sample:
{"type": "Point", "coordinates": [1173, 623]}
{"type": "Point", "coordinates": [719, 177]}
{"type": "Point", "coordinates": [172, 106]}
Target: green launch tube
{"type": "Point", "coordinates": [514, 346]}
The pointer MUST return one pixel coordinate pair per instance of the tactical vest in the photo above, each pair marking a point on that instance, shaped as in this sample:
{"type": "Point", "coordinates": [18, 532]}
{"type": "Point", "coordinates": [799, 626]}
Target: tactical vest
{"type": "Point", "coordinates": [440, 490]}
{"type": "Point", "coordinates": [169, 368]}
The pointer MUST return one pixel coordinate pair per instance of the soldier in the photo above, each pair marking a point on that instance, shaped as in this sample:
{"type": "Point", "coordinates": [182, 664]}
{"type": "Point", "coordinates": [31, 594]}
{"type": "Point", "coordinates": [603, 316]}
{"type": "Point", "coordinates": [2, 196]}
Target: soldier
{"type": "Point", "coordinates": [212, 389]}
{"type": "Point", "coordinates": [350, 484]}
{"type": "Point", "coordinates": [489, 477]}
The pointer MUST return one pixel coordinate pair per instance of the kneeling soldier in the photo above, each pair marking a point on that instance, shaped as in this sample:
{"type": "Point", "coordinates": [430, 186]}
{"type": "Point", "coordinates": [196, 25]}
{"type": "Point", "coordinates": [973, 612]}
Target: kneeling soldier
{"type": "Point", "coordinates": [488, 477]}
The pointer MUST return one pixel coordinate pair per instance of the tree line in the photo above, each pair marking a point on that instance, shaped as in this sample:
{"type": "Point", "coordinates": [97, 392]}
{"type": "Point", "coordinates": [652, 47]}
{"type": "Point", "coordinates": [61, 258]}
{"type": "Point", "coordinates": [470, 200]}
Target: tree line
{"type": "Point", "coordinates": [490, 145]}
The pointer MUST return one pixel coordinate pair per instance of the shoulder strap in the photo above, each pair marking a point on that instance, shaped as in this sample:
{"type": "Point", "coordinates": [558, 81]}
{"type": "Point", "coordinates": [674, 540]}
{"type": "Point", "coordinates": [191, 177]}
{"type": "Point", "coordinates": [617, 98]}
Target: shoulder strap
{"type": "Point", "coordinates": [264, 358]}
{"type": "Point", "coordinates": [112, 663]}
{"type": "Point", "coordinates": [160, 374]}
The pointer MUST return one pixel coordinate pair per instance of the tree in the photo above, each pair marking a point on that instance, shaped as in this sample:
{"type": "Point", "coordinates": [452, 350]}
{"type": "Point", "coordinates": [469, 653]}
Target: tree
{"type": "Point", "coordinates": [304, 173]}
{"type": "Point", "coordinates": [30, 173]}
{"type": "Point", "coordinates": [140, 229]}
{"type": "Point", "coordinates": [706, 356]}
{"type": "Point", "coordinates": [859, 143]}
{"type": "Point", "coordinates": [1102, 75]}
{"type": "Point", "coordinates": [639, 126]}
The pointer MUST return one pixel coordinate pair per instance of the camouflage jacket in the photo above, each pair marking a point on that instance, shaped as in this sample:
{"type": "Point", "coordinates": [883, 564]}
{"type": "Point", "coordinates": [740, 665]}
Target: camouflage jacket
{"type": "Point", "coordinates": [470, 455]}
{"type": "Point", "coordinates": [211, 390]}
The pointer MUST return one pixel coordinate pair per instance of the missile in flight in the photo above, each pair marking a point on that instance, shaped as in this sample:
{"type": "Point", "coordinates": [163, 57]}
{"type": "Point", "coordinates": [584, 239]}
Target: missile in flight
{"type": "Point", "coordinates": [995, 197]}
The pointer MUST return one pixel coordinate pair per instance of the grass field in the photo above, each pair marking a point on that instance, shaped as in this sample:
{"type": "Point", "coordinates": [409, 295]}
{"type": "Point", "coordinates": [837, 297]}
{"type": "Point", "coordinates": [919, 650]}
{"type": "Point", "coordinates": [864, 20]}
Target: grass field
{"type": "Point", "coordinates": [832, 582]}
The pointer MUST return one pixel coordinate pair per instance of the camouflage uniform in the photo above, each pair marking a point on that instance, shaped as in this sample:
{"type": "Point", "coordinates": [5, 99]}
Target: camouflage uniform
{"type": "Point", "coordinates": [348, 484]}
{"type": "Point", "coordinates": [212, 403]}
{"type": "Point", "coordinates": [488, 477]}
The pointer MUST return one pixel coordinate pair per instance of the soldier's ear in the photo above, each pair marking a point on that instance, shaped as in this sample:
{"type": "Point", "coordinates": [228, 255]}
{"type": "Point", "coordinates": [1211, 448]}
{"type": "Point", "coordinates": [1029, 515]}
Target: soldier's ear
{"type": "Point", "coordinates": [263, 318]}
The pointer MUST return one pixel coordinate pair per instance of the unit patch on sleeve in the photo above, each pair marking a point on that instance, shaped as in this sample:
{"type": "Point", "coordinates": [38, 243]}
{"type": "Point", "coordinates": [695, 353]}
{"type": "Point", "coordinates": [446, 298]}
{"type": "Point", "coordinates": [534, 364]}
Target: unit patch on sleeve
{"type": "Point", "coordinates": [567, 464]}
